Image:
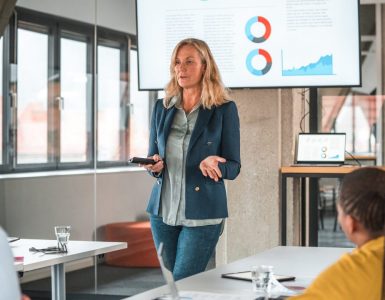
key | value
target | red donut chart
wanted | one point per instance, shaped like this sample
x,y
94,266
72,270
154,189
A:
x,y
251,22
268,60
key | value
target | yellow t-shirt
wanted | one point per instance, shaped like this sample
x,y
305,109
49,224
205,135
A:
x,y
356,275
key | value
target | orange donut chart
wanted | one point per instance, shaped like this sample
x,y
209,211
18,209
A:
x,y
258,39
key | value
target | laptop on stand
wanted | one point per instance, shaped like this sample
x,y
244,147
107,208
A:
x,y
320,149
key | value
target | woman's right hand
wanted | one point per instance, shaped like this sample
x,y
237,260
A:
x,y
157,167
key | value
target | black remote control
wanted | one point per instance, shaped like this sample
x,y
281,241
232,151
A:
x,y
142,161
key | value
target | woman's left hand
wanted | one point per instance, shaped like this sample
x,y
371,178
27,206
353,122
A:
x,y
209,167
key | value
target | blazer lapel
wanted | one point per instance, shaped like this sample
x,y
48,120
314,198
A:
x,y
163,132
202,120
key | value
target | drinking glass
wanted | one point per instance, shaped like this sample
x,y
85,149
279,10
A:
x,y
261,277
62,236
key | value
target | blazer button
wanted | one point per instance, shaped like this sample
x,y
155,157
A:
x,y
197,188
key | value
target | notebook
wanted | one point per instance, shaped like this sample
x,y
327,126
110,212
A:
x,y
321,149
246,276
174,294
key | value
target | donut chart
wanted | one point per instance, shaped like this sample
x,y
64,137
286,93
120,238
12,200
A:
x,y
250,66
251,22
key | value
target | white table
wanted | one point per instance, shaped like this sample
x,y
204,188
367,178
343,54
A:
x,y
305,263
76,250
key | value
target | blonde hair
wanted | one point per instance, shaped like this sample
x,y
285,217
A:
x,y
214,93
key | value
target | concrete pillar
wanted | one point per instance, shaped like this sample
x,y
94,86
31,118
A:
x,y
269,125
380,15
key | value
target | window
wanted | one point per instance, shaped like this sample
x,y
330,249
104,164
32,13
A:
x,y
74,83
113,98
139,113
59,117
32,101
354,114
110,103
356,110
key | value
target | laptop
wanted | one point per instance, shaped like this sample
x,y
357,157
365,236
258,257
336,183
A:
x,y
175,294
320,149
9,282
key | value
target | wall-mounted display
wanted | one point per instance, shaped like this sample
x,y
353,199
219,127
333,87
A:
x,y
264,43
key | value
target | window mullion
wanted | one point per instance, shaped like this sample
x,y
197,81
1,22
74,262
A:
x,y
11,94
126,107
91,100
53,127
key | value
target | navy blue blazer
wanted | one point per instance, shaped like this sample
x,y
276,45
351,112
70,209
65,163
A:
x,y
216,132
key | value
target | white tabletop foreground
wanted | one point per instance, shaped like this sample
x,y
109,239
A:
x,y
305,263
76,250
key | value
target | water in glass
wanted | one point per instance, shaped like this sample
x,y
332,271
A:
x,y
261,278
62,236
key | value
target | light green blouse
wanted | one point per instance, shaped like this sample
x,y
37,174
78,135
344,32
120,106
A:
x,y
174,180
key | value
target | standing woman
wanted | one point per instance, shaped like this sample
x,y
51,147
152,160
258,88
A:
x,y
195,142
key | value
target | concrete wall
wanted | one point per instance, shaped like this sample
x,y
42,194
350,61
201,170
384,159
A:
x,y
269,123
380,28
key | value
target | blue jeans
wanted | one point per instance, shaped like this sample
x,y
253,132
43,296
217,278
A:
x,y
186,250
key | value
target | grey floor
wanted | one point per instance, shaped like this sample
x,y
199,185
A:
x,y
331,235
111,283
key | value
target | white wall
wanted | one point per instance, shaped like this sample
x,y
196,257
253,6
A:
x,y
2,204
32,206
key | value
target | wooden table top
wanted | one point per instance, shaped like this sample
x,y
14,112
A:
x,y
319,169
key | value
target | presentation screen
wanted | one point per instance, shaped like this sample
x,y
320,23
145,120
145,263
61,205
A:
x,y
256,43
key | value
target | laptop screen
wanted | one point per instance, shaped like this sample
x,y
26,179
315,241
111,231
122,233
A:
x,y
321,148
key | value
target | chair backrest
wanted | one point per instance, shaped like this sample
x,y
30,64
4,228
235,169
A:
x,y
9,282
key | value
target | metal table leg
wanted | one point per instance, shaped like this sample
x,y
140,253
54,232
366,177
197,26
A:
x,y
283,209
58,282
303,212
313,212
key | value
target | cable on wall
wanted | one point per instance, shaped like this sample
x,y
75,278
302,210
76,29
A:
x,y
304,100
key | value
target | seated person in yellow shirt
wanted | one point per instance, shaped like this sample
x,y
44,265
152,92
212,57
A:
x,y
361,214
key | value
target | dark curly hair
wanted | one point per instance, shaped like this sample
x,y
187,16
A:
x,y
362,196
